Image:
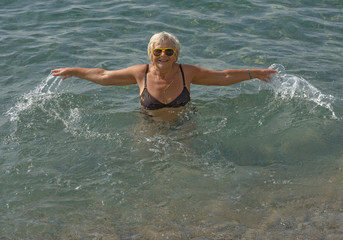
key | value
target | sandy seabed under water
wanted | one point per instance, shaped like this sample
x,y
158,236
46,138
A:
x,y
285,211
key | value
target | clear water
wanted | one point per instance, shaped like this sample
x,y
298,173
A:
x,y
248,161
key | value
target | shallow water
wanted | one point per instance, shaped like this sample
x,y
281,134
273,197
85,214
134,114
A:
x,y
248,161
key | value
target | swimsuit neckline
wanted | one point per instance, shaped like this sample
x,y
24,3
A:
x,y
149,102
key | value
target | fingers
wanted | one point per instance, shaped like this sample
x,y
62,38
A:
x,y
60,72
267,75
56,72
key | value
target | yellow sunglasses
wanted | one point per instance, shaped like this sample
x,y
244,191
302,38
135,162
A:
x,y
168,51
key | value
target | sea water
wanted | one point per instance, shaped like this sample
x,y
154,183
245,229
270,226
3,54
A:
x,y
247,161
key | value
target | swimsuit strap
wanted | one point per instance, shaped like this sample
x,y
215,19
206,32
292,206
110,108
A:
x,y
147,70
183,76
146,73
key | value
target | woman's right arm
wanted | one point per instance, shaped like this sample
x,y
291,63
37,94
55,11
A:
x,y
125,76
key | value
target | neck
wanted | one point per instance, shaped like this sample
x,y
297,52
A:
x,y
163,72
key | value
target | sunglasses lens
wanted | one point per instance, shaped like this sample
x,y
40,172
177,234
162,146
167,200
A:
x,y
169,52
157,52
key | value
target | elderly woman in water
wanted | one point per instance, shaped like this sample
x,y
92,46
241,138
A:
x,y
164,83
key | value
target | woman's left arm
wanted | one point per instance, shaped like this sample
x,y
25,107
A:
x,y
203,76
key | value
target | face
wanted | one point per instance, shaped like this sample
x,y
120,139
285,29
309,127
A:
x,y
164,60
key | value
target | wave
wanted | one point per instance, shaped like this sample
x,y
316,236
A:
x,y
47,105
44,91
287,87
48,98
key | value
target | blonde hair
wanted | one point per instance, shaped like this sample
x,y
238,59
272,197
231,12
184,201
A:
x,y
158,38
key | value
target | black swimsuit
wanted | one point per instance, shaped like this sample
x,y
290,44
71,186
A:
x,y
151,103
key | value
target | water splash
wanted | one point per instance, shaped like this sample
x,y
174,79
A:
x,y
44,91
57,107
287,86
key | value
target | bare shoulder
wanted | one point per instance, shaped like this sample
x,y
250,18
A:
x,y
190,71
138,71
138,68
193,69
125,76
194,73
135,69
190,68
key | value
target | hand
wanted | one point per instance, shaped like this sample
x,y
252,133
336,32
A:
x,y
265,74
65,72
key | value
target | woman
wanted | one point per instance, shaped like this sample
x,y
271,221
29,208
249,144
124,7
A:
x,y
164,83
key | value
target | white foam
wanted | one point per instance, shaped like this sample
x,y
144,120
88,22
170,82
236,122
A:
x,y
42,92
289,86
71,118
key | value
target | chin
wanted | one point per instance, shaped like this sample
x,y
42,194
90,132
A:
x,y
163,63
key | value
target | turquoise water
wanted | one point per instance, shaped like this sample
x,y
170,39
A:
x,y
248,161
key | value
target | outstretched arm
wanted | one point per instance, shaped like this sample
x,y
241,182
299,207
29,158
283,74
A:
x,y
204,76
100,76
